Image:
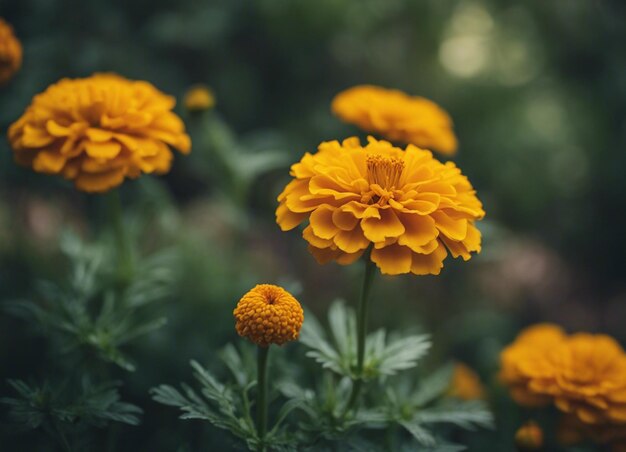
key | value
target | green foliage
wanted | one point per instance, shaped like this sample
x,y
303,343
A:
x,y
90,313
47,405
227,406
392,400
382,356
88,318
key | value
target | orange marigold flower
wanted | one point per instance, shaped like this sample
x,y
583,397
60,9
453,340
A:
x,y
199,98
10,52
267,315
529,437
583,374
397,116
99,130
409,206
466,384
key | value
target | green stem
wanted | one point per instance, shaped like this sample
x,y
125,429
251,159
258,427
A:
x,y
261,403
125,257
362,312
62,438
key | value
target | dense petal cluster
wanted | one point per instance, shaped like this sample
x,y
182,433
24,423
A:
x,y
466,384
10,52
584,375
397,117
199,98
99,130
409,207
267,315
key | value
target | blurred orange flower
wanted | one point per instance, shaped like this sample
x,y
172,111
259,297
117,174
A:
x,y
582,374
10,52
529,437
397,117
466,384
267,315
410,207
99,130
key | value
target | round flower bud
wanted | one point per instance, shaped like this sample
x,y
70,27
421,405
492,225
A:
x,y
199,98
529,437
267,315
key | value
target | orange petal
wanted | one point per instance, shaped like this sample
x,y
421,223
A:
x,y
99,182
418,231
429,264
377,230
321,221
393,259
104,150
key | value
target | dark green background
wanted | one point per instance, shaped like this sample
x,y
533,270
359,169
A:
x,y
537,90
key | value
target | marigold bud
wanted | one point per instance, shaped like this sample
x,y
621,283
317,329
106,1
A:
x,y
199,98
529,437
267,315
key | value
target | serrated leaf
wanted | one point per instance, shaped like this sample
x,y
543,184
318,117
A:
x,y
433,386
465,414
418,432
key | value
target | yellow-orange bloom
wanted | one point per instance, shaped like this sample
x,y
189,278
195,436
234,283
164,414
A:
x,y
199,98
409,206
466,384
10,52
267,315
397,117
529,437
99,130
582,374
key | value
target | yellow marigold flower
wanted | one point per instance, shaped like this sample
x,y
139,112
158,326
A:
x,y
583,374
199,98
267,315
397,116
466,384
408,205
529,437
99,130
10,52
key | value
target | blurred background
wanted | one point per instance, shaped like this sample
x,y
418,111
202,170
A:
x,y
537,91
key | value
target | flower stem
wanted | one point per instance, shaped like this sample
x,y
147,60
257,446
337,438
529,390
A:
x,y
125,257
362,312
261,403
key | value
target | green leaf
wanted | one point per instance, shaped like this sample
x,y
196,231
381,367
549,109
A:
x,y
418,432
465,414
433,386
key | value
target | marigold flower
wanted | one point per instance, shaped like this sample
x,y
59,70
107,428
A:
x,y
583,374
529,437
10,52
466,384
409,206
397,117
267,315
99,130
199,98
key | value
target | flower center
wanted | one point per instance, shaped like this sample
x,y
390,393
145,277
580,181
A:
x,y
384,171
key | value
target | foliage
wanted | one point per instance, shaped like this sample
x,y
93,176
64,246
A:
x,y
392,400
